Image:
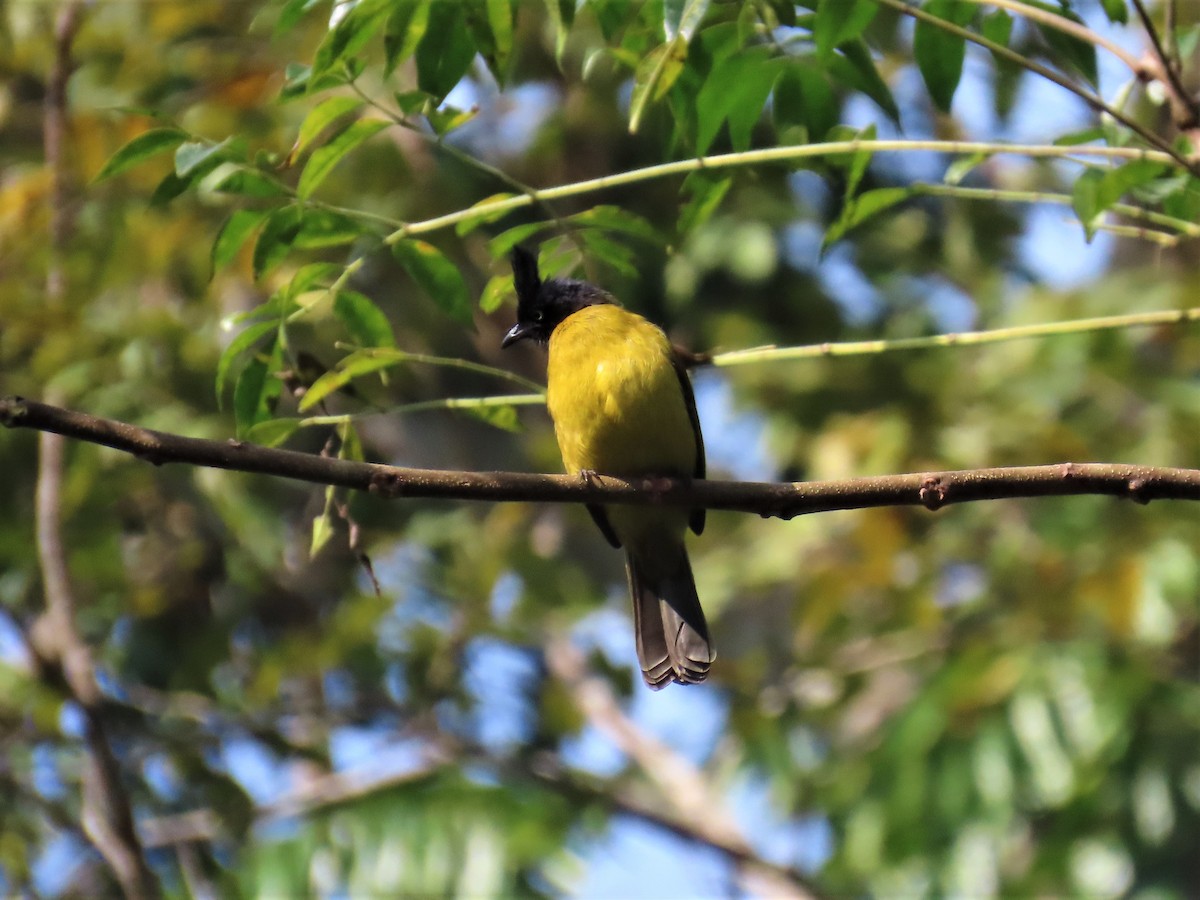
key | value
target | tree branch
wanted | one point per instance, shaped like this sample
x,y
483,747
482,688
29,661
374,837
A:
x,y
1095,102
203,826
701,814
106,814
1163,67
784,500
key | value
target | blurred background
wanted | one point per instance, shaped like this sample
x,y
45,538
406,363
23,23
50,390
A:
x,y
999,698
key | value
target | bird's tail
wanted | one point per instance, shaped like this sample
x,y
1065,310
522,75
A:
x,y
672,636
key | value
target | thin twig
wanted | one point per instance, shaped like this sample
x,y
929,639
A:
x,y
773,353
784,154
1184,110
1076,30
955,339
1170,64
932,490
1095,102
681,785
1182,226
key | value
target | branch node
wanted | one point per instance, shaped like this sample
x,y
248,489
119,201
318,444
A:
x,y
235,444
1139,490
657,486
12,410
932,493
386,484
1068,470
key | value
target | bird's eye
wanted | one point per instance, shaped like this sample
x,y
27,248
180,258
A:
x,y
539,316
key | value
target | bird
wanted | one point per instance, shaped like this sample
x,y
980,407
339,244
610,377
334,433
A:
x,y
622,405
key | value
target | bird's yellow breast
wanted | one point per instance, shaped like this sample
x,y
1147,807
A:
x,y
615,396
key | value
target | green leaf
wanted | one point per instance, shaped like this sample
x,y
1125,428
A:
x,y
291,14
410,102
296,80
681,18
502,417
314,276
320,228
437,276
1131,176
196,156
322,526
1075,138
503,243
863,207
446,50
246,338
705,191
323,159
655,75
364,320
318,120
498,289
940,54
304,228
275,239
558,256
617,256
614,218
500,21
1184,202
141,148
1078,54
446,118
242,180
272,432
466,226
351,447
257,390
562,14
804,98
350,35
855,163
1090,199
963,166
169,188
234,234
839,21
997,27
736,91
405,28
855,68
353,366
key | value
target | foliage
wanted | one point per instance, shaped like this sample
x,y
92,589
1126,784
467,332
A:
x,y
308,207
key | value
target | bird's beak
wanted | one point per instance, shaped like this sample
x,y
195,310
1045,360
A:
x,y
517,333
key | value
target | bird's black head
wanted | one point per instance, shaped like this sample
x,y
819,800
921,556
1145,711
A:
x,y
542,305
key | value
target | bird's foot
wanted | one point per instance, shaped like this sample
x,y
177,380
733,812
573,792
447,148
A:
x,y
590,477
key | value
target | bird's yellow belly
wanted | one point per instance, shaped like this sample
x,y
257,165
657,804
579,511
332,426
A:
x,y
615,397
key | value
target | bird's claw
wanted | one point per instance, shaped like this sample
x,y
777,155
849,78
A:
x,y
590,477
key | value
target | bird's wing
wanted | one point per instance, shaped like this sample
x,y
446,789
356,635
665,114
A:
x,y
600,517
696,519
